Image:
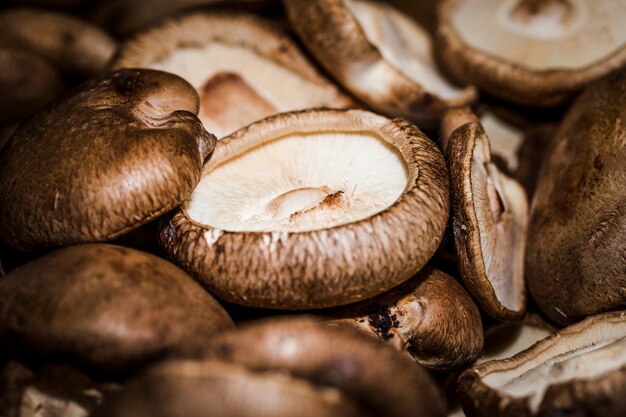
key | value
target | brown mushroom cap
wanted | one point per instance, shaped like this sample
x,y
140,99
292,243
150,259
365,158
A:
x,y
285,367
76,47
243,67
532,52
581,370
576,257
27,82
105,306
430,316
379,54
299,193
113,154
490,216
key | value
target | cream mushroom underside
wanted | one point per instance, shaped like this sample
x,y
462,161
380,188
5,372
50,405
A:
x,y
500,206
300,182
546,34
36,403
597,351
404,45
255,86
506,140
510,340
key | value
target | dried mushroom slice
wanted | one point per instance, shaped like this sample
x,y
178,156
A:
x,y
242,66
581,370
576,257
115,153
430,316
75,47
329,207
107,307
284,367
490,217
532,52
379,54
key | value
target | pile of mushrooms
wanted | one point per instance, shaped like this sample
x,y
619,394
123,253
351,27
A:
x,y
312,208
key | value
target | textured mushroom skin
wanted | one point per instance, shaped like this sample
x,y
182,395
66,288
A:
x,y
430,316
320,268
576,256
510,81
113,154
105,306
597,397
340,45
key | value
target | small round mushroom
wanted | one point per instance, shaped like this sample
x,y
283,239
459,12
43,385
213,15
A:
x,y
113,154
576,256
77,48
329,207
581,370
104,306
430,316
27,82
532,52
242,66
490,217
379,54
284,367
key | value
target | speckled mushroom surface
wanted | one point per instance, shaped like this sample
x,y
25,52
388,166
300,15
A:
x,y
284,367
581,369
329,206
532,52
243,67
103,306
112,154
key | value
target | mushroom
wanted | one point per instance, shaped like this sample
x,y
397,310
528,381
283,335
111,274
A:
x,y
329,207
103,306
532,52
113,154
576,256
242,66
77,48
51,390
284,367
581,370
430,316
379,54
27,82
490,216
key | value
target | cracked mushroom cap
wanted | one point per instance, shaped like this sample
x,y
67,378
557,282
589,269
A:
x,y
242,66
328,207
490,217
581,370
104,306
532,52
430,316
111,155
379,54
284,367
27,81
576,257
75,47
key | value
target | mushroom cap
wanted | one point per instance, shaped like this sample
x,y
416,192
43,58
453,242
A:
x,y
430,316
287,366
379,54
532,52
581,370
243,67
490,217
72,45
104,306
576,256
27,82
111,155
318,224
